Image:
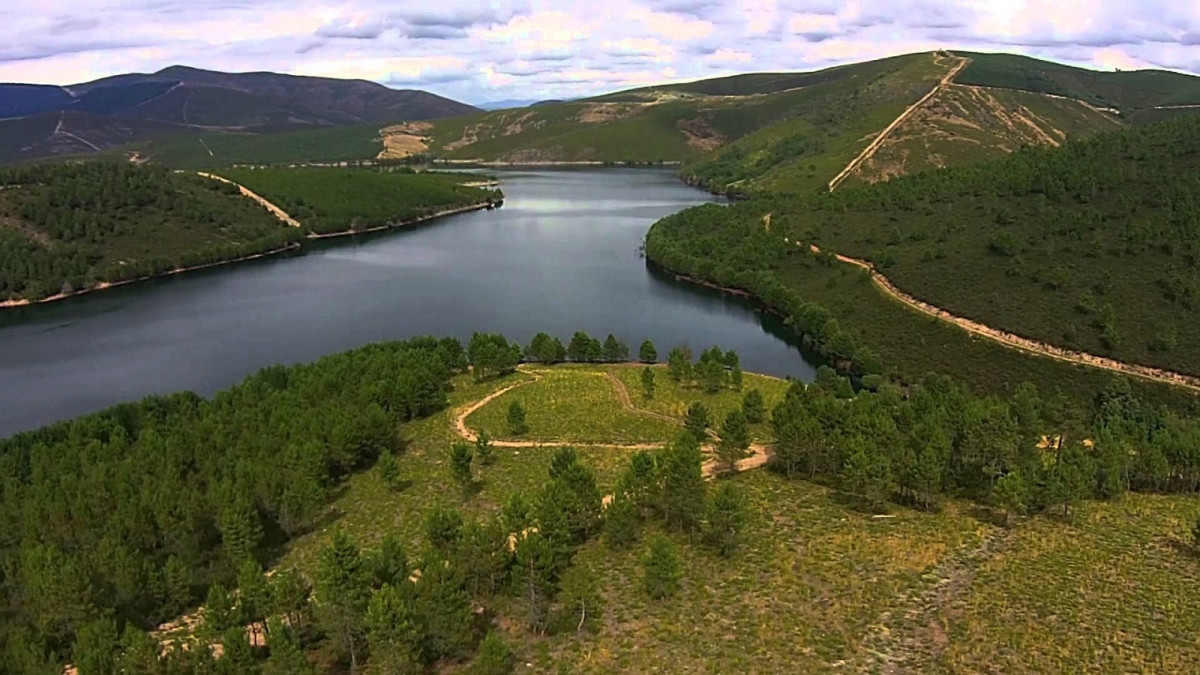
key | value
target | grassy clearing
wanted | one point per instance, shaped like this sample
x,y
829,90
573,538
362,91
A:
x,y
360,141
673,398
1116,590
572,403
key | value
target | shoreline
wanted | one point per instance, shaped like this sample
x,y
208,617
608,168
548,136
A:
x,y
406,223
104,285
294,246
551,163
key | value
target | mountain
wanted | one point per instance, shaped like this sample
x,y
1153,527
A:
x,y
856,123
136,106
506,103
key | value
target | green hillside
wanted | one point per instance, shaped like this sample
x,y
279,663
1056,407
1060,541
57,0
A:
x,y
1127,91
1093,246
68,228
329,200
207,150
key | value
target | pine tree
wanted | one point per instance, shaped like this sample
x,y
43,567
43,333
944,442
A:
x,y
868,474
647,353
661,569
494,657
679,364
681,499
484,450
735,440
614,350
443,529
753,406
726,518
460,465
254,596
1011,494
696,421
395,630
389,470
96,645
648,383
516,419
579,594
621,522
342,592
536,565
287,658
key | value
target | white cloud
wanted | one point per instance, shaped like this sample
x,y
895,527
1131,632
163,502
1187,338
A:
x,y
486,49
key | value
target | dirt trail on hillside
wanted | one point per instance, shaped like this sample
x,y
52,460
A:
x,y
908,637
874,145
759,454
278,212
1020,343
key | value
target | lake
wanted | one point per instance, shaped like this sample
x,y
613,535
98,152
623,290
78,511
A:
x,y
560,256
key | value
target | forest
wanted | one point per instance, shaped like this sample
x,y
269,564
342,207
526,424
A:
x,y
65,228
128,517
122,520
332,200
1052,244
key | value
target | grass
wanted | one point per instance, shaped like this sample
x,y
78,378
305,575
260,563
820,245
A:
x,y
572,403
673,398
1116,590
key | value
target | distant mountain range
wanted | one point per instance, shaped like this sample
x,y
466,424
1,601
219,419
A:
x,y
40,120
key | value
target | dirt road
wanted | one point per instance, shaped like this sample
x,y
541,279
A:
x,y
870,149
1021,343
279,213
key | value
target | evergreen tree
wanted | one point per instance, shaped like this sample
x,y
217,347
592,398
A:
x,y
868,474
648,383
138,653
241,530
681,499
254,597
484,450
579,347
1011,494
679,364
443,529
711,374
395,629
536,569
389,470
579,595
621,522
237,654
460,465
696,421
614,350
96,647
735,440
287,658
342,592
494,657
484,558
753,406
388,564
220,611
647,353
726,518
290,596
661,570
516,419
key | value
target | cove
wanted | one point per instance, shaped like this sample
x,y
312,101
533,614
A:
x,y
561,255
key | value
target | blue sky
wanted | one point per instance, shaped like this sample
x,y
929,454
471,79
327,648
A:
x,y
535,49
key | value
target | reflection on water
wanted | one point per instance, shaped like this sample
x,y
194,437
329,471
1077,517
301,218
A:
x,y
560,256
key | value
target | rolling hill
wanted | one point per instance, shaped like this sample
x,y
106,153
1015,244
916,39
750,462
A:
x,y
181,101
787,132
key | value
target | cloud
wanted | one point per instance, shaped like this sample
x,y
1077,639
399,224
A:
x,y
349,28
477,50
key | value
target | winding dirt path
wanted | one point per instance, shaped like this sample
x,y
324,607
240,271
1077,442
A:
x,y
758,457
869,151
1021,343
278,212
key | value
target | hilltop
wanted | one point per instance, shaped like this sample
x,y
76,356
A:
x,y
789,132
114,111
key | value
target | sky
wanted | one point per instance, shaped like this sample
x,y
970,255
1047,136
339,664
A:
x,y
479,50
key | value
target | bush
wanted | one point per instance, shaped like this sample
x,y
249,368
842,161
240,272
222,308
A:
x,y
660,569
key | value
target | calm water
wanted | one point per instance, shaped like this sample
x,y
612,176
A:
x,y
560,256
